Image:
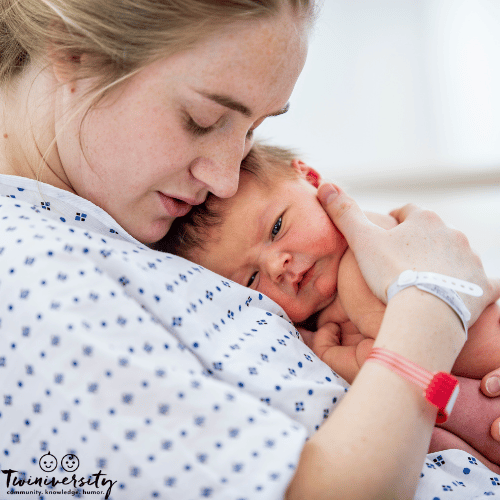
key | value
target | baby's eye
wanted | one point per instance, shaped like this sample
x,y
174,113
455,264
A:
x,y
276,228
251,280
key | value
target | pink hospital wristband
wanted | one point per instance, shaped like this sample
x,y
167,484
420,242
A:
x,y
440,389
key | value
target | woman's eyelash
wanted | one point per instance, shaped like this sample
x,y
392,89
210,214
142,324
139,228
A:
x,y
196,129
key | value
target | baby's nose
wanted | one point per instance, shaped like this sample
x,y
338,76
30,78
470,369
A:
x,y
279,266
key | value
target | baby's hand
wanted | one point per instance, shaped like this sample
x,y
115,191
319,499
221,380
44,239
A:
x,y
345,360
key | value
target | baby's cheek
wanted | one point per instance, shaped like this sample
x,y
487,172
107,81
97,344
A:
x,y
325,285
297,310
331,235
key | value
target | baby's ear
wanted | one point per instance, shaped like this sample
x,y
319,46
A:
x,y
307,172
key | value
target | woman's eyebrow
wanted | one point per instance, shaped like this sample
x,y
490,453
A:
x,y
230,103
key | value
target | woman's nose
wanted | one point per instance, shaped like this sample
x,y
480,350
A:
x,y
219,169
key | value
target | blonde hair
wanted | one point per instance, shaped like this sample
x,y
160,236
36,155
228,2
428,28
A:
x,y
121,36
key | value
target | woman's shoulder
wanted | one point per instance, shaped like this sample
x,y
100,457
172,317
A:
x,y
19,194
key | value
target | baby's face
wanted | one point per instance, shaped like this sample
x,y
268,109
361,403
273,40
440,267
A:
x,y
277,239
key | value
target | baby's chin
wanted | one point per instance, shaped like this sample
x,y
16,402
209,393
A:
x,y
309,323
303,317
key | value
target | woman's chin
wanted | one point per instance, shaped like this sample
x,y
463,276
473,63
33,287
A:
x,y
154,233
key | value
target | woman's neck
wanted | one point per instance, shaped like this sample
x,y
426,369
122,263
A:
x,y
28,147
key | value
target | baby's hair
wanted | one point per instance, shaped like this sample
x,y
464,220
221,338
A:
x,y
268,164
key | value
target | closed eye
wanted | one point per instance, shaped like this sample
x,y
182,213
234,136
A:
x,y
196,129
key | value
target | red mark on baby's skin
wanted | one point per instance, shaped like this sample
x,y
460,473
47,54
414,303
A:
x,y
5,136
73,90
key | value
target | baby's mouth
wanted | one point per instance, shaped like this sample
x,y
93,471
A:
x,y
306,277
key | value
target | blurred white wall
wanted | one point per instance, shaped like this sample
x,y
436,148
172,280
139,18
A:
x,y
400,101
399,87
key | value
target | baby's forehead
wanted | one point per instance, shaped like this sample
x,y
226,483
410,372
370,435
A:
x,y
253,193
252,188
242,222
255,190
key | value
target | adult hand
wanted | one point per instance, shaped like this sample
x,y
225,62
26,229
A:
x,y
490,385
421,241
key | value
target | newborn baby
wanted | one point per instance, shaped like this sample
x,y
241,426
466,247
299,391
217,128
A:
x,y
274,236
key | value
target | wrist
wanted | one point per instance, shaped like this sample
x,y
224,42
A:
x,y
442,286
440,389
423,328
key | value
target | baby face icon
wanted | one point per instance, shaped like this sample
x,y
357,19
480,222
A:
x,y
47,462
70,462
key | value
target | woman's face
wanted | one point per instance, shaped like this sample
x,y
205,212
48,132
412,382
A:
x,y
180,127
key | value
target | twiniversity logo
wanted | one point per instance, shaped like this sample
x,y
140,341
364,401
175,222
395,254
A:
x,y
48,463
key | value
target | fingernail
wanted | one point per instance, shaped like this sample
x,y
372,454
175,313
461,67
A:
x,y
493,385
328,194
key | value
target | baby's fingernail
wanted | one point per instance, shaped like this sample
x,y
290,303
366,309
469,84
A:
x,y
328,194
493,385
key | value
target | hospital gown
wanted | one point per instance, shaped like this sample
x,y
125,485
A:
x,y
130,374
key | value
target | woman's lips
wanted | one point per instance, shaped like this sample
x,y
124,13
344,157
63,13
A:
x,y
174,206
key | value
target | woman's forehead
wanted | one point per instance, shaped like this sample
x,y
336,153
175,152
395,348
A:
x,y
259,61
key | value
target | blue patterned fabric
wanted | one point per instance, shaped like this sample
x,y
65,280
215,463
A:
x,y
136,374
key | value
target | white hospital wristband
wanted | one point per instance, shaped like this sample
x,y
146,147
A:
x,y
442,287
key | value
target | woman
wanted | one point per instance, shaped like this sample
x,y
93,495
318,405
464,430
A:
x,y
138,375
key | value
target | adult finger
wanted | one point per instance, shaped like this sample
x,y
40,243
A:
x,y
345,213
495,429
490,385
400,214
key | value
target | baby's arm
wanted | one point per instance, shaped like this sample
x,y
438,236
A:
x,y
360,305
468,427
347,328
481,352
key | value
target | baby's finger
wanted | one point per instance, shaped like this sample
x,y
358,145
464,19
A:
x,y
345,213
